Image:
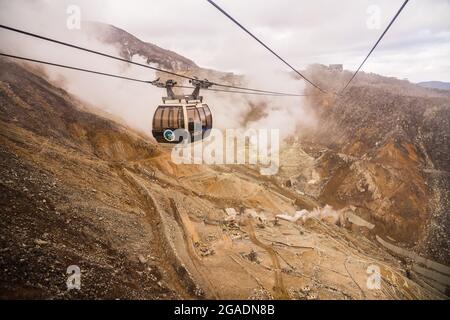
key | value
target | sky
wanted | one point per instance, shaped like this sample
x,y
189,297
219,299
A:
x,y
417,46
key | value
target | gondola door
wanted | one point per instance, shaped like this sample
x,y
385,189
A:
x,y
194,124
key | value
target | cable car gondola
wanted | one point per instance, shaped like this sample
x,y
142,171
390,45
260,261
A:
x,y
182,117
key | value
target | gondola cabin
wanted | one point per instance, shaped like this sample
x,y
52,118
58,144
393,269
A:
x,y
181,117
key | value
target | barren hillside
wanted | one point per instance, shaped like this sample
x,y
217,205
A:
x,y
79,189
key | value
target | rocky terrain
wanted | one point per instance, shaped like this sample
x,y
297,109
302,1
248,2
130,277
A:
x,y
130,46
80,189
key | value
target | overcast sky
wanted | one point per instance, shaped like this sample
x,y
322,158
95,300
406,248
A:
x,y
417,47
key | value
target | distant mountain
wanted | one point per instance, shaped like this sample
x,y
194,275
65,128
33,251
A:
x,y
435,85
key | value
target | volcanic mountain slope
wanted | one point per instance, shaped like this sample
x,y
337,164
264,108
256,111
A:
x,y
384,147
78,188
51,213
